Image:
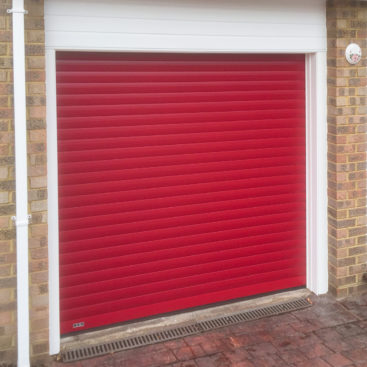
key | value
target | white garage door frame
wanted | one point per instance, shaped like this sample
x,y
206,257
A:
x,y
316,139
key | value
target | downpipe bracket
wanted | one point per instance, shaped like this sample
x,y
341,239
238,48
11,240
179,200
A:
x,y
22,223
17,11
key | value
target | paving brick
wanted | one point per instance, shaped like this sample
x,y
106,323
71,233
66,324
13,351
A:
x,y
163,357
138,359
106,361
358,341
325,315
59,364
174,344
241,340
333,340
209,345
356,355
215,360
245,364
305,326
284,343
316,350
184,353
357,305
269,361
337,360
237,355
184,364
259,350
316,362
292,356
350,329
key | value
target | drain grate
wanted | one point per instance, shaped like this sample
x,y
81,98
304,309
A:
x,y
182,331
254,314
129,343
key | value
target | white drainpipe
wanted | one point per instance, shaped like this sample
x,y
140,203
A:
x,y
22,219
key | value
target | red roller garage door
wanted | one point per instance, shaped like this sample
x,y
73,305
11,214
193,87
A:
x,y
181,181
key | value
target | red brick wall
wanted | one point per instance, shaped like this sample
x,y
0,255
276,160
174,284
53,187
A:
x,y
347,143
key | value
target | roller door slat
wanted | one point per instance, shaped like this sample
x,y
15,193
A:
x,y
199,244
168,218
145,98
233,180
143,130
155,214
169,108
163,76
67,216
176,294
119,274
178,65
274,148
174,170
205,275
203,223
182,118
177,159
189,301
222,260
69,282
254,245
135,243
149,195
174,87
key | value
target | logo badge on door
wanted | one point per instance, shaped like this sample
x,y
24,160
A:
x,y
78,324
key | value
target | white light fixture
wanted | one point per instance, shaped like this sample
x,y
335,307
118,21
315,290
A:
x,y
353,53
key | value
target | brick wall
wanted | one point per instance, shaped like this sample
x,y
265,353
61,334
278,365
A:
x,y
36,125
7,197
347,126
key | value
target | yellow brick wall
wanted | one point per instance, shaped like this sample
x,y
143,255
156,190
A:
x,y
37,184
7,197
37,171
347,143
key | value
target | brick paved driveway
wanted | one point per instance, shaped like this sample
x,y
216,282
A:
x,y
328,334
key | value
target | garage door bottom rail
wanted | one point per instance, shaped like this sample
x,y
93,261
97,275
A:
x,y
85,352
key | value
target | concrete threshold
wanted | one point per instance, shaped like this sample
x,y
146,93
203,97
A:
x,y
142,327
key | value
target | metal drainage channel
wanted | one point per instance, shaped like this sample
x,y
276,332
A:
x,y
182,331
